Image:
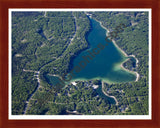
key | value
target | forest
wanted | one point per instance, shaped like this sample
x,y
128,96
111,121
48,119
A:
x,y
45,43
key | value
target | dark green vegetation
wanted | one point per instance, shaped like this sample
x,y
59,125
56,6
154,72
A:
x,y
130,64
48,42
43,42
79,99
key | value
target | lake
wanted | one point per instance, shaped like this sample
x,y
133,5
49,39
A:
x,y
104,66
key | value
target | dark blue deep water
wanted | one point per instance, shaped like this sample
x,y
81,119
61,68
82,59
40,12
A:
x,y
105,65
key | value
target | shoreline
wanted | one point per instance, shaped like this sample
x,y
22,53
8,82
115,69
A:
x,y
114,42
137,78
109,95
136,60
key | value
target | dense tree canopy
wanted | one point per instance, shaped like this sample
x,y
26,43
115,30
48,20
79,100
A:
x,y
45,43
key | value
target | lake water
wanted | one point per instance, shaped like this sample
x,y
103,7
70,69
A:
x,y
105,65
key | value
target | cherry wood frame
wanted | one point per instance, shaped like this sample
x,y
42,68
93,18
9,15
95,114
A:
x,y
6,4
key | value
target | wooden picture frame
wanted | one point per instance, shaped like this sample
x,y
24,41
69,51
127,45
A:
x,y
4,32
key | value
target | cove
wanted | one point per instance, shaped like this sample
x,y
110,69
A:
x,y
106,65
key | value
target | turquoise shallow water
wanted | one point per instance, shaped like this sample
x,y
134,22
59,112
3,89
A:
x,y
105,65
